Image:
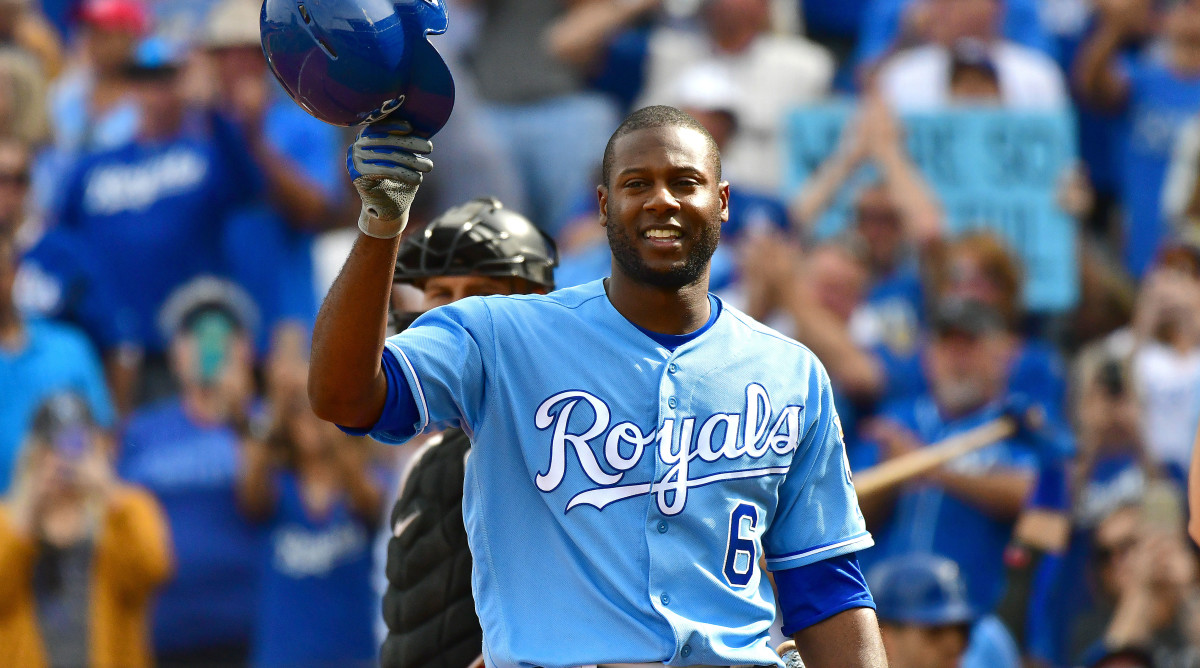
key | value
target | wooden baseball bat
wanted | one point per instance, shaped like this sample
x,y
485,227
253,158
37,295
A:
x,y
883,476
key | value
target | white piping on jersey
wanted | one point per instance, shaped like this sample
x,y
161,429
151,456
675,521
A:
x,y
757,437
417,382
817,550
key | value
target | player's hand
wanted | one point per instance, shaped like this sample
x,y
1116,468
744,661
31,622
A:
x,y
387,163
787,652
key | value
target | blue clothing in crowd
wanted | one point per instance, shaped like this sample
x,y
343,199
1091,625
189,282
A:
x,y
60,279
153,212
1160,102
895,303
1035,372
1068,591
991,646
928,519
54,358
315,557
882,20
78,127
267,255
192,469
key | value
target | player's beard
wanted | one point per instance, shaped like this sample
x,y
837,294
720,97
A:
x,y
624,251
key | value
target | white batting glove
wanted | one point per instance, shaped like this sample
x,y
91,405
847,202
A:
x,y
787,652
791,659
387,163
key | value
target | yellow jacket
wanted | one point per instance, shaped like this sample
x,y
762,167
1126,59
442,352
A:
x,y
131,560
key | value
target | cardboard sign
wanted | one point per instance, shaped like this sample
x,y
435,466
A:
x,y
993,169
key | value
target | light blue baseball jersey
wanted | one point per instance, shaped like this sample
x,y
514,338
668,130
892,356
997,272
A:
x,y
619,495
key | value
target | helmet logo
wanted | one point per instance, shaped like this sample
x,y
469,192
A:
x,y
385,110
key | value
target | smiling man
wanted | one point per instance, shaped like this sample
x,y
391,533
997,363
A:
x,y
640,447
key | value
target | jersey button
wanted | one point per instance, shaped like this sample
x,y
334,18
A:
x,y
686,651
662,526
671,368
671,402
666,600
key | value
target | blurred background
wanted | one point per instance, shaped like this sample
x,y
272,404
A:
x,y
959,205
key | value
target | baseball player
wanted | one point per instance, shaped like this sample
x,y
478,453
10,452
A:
x,y
640,447
479,248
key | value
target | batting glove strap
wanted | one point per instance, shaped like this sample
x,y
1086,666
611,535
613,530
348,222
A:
x,y
385,206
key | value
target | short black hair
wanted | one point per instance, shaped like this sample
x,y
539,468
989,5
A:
x,y
658,116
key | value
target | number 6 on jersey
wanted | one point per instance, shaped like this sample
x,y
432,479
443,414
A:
x,y
741,552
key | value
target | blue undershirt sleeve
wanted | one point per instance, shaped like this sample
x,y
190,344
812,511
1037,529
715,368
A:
x,y
399,410
813,593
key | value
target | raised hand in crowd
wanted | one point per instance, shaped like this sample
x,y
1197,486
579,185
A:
x,y
1130,18
24,27
893,440
1168,308
231,77
768,264
1076,196
874,136
581,34
818,291
1157,581
326,464
1096,74
69,515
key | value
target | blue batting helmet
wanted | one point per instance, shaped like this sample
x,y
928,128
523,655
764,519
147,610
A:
x,y
922,589
351,62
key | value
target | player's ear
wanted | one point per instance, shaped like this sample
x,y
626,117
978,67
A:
x,y
723,193
602,200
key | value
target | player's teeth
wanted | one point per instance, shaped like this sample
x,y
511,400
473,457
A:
x,y
662,234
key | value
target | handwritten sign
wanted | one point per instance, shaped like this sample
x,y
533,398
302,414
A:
x,y
991,169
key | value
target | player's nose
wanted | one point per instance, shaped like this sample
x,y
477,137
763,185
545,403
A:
x,y
661,202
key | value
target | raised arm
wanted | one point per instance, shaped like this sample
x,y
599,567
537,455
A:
x,y
255,491
1096,76
918,206
998,493
580,36
345,382
815,198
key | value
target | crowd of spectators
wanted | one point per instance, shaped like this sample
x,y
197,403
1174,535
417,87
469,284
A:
x,y
169,222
